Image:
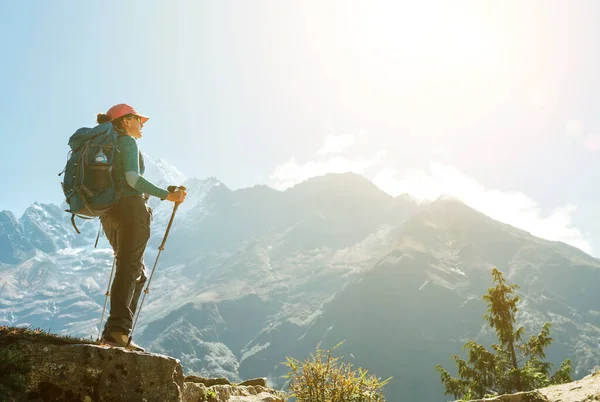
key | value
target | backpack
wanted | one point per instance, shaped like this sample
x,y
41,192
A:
x,y
88,184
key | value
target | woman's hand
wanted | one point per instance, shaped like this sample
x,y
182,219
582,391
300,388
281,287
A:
x,y
177,196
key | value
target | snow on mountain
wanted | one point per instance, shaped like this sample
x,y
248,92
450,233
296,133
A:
x,y
44,226
263,274
197,190
53,277
161,173
62,291
13,246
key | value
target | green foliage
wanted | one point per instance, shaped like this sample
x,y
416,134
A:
x,y
512,365
211,394
325,379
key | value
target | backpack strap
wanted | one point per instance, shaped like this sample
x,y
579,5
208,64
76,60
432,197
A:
x,y
73,220
73,223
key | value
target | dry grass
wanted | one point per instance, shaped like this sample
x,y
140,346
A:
x,y
325,379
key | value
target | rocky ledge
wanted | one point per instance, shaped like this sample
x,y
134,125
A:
x,y
41,367
585,390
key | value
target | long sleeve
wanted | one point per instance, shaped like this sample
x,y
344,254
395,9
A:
x,y
130,151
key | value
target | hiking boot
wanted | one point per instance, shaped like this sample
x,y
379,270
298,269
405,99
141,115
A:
x,y
119,339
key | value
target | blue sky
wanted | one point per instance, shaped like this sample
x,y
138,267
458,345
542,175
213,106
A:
x,y
493,102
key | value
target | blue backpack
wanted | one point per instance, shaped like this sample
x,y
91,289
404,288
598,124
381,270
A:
x,y
88,183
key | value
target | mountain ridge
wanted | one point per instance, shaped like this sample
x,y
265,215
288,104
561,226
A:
x,y
256,274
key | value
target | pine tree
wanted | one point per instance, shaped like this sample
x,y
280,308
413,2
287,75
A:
x,y
512,365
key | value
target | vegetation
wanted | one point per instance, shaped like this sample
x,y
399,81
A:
x,y
325,379
513,365
211,394
9,335
14,365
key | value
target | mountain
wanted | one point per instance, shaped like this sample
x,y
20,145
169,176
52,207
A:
x,y
251,276
13,246
45,227
422,301
162,173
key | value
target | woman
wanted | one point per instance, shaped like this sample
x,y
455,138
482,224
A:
x,y
127,226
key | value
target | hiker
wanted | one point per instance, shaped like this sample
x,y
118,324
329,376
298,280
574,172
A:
x,y
127,225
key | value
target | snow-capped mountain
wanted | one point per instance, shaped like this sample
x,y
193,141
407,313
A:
x,y
251,276
42,257
44,226
161,173
13,245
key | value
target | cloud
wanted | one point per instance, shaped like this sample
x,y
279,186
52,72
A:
x,y
291,172
337,143
513,208
510,207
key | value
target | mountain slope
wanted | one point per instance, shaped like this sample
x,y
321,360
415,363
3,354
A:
x,y
13,246
420,303
251,276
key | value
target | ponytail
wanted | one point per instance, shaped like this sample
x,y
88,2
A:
x,y
102,118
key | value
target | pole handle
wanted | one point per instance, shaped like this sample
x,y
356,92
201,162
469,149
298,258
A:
x,y
171,189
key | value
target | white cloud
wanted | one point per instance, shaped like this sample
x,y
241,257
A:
x,y
291,172
512,208
337,143
415,182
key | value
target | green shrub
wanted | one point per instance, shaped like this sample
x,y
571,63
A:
x,y
325,379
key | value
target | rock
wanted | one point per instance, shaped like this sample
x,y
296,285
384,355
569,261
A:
x,y
44,367
262,397
585,390
193,392
198,392
531,396
90,372
255,381
207,381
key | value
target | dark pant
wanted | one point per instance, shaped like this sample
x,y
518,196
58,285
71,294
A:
x,y
127,228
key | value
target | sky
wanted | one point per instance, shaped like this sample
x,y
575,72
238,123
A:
x,y
493,102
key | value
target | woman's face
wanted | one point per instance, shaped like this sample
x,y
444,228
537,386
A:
x,y
133,126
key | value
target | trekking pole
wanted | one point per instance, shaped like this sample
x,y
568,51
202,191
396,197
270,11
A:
x,y
107,294
160,249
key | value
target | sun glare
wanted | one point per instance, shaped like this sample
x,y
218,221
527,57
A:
x,y
447,42
453,59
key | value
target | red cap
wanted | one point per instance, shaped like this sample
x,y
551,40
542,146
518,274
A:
x,y
123,109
